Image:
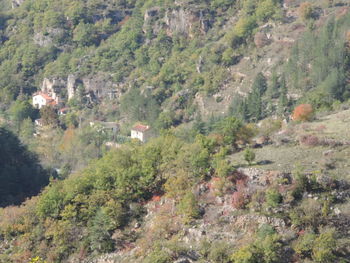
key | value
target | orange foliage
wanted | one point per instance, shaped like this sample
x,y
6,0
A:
x,y
303,112
156,198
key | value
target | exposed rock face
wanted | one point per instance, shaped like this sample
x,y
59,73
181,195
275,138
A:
x,y
53,87
47,39
16,3
184,21
100,86
95,87
71,86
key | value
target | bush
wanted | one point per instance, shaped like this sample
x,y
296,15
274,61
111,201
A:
x,y
306,11
261,40
219,253
158,255
246,254
273,198
265,250
188,207
249,155
265,230
303,112
309,140
240,197
324,245
304,244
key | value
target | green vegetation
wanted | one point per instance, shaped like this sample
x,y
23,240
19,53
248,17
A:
x,y
176,66
249,155
21,175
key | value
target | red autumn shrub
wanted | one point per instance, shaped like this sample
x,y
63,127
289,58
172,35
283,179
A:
x,y
303,112
240,197
238,200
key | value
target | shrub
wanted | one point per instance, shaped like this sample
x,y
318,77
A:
x,y
249,155
265,230
306,11
304,244
219,252
245,254
323,247
244,26
158,255
303,112
273,197
309,140
37,260
266,9
240,197
265,250
261,40
188,207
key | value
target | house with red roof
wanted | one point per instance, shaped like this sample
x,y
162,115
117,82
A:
x,y
41,99
141,132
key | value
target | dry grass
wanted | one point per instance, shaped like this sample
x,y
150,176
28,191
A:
x,y
290,157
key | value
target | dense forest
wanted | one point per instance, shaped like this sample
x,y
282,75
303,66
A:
x,y
248,103
21,175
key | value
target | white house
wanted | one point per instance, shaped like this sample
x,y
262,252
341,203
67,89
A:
x,y
41,99
141,132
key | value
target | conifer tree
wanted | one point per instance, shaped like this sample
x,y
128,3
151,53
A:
x,y
273,89
260,84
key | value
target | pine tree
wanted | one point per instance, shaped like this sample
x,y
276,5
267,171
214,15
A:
x,y
260,84
273,89
283,98
254,105
199,125
99,233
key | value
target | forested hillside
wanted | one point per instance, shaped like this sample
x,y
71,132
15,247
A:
x,y
247,103
21,175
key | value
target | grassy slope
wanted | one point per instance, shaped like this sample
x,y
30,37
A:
x,y
289,157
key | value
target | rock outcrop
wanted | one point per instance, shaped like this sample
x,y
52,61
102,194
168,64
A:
x,y
184,21
94,87
16,3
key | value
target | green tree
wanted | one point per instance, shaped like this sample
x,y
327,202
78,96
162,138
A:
x,y
249,155
229,128
21,175
19,111
49,116
27,130
100,233
260,84
324,246
273,197
188,207
273,88
84,34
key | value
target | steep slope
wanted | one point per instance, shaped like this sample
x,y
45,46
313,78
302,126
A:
x,y
21,175
171,201
188,56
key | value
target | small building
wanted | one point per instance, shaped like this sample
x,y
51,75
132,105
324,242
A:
x,y
63,111
41,99
141,132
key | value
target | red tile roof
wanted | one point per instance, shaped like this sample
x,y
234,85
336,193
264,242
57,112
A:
x,y
140,128
49,100
64,109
